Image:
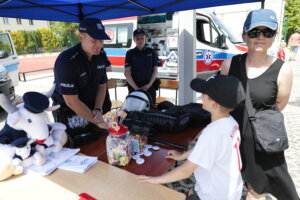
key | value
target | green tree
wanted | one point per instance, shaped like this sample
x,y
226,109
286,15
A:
x,y
26,45
49,39
66,31
292,14
33,40
19,41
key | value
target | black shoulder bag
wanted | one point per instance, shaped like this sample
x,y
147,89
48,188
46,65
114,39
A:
x,y
268,128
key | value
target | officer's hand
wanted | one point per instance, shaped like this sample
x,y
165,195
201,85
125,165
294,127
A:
x,y
136,88
145,87
103,125
97,117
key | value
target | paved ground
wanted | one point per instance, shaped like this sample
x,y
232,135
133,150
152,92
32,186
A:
x,y
292,120
43,82
37,62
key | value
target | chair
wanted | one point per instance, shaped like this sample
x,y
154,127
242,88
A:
x,y
167,83
112,84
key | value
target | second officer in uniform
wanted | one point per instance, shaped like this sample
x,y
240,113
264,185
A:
x,y
141,66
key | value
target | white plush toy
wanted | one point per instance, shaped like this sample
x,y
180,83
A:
x,y
7,169
30,120
52,144
25,153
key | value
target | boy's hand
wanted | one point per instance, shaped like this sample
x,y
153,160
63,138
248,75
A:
x,y
147,179
175,155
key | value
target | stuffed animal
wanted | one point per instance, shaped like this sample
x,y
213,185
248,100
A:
x,y
53,142
8,170
25,153
29,120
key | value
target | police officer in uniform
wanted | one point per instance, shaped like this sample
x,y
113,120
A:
x,y
141,66
80,78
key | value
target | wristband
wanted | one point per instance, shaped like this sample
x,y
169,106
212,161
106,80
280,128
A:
x,y
99,109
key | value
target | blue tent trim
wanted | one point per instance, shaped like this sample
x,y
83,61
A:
x,y
75,10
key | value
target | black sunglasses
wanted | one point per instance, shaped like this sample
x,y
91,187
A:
x,y
267,32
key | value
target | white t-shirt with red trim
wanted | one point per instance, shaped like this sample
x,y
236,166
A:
x,y
217,154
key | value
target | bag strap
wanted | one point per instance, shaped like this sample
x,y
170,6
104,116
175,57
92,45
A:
x,y
248,102
238,68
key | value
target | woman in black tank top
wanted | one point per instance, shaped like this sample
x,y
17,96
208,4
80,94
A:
x,y
270,83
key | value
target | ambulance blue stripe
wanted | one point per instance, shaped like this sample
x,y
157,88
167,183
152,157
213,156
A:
x,y
216,55
12,67
228,55
115,51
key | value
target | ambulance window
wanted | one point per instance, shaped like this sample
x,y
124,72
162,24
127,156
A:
x,y
5,44
120,34
207,32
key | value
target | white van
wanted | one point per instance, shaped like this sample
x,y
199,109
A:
x,y
214,43
8,66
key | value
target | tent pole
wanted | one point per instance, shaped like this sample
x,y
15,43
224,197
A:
x,y
262,3
4,1
186,55
141,5
80,15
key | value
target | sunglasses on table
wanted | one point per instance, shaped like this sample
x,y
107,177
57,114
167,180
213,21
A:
x,y
267,32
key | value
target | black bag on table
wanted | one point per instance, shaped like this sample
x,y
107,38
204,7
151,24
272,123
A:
x,y
79,131
160,121
198,116
268,128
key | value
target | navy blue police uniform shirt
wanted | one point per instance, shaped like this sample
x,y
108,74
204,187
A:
x,y
142,63
75,75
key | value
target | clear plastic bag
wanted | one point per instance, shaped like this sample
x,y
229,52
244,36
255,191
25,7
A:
x,y
118,146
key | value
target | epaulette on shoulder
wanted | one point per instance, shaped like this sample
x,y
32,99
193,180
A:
x,y
149,49
130,50
74,55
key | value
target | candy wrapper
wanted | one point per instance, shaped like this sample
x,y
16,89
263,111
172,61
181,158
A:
x,y
137,142
139,133
114,117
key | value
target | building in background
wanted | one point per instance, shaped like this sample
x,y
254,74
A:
x,y
17,24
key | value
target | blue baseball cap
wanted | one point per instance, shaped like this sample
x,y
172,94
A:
x,y
138,31
94,28
261,17
35,102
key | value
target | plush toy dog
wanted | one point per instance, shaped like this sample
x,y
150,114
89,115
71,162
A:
x,y
25,154
29,120
8,170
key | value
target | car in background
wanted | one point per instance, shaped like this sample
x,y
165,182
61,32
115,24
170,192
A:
x,y
8,66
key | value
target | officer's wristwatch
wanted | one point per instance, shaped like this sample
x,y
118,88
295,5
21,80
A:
x,y
99,109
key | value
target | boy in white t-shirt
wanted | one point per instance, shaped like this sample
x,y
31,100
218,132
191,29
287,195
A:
x,y
215,159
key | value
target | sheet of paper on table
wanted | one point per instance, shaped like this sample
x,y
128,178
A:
x,y
53,160
78,163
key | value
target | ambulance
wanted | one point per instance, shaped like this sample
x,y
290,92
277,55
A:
x,y
214,43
